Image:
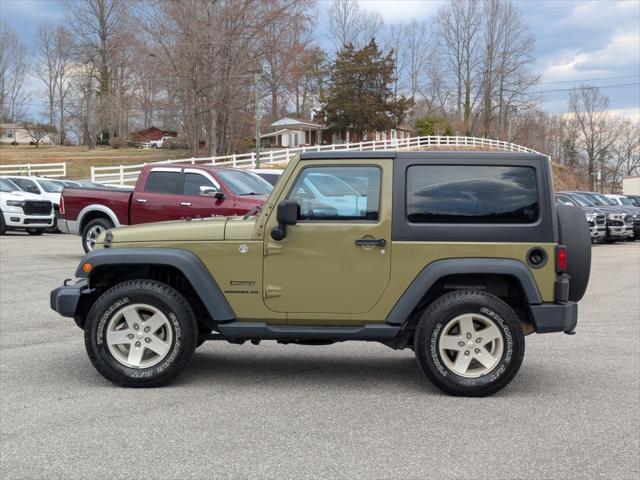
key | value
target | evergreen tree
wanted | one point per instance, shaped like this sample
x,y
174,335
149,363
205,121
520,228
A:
x,y
359,95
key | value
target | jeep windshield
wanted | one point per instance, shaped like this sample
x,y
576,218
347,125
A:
x,y
245,183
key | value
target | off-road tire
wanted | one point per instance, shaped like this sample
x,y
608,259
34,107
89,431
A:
x,y
102,222
35,231
164,298
451,305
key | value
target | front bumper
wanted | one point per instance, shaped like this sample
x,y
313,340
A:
x,y
597,232
65,299
21,220
554,317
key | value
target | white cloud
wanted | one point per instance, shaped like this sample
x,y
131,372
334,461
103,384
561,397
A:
x,y
402,10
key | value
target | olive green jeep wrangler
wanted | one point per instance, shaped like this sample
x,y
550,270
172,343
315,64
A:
x,y
455,255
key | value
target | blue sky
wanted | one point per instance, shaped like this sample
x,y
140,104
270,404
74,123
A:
x,y
576,41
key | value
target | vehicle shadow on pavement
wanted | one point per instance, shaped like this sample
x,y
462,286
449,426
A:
x,y
293,369
346,371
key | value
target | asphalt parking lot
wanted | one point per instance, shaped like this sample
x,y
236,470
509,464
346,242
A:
x,y
351,410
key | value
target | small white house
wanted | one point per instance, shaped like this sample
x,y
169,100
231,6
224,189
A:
x,y
15,132
291,133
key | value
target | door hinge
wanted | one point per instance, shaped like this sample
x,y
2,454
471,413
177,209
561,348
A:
x,y
272,291
272,249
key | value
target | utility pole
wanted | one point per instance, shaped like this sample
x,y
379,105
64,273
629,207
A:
x,y
256,87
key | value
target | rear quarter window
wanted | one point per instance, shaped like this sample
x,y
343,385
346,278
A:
x,y
471,194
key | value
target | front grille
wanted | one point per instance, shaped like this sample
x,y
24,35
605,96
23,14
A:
x,y
36,207
37,221
600,219
591,224
616,223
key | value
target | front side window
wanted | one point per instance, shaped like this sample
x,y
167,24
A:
x,y
26,185
193,182
471,194
162,182
338,193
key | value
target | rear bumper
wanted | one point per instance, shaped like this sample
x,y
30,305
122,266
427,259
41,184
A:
x,y
64,299
554,317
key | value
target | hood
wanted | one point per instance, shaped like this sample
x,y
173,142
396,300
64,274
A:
x,y
22,195
588,209
211,228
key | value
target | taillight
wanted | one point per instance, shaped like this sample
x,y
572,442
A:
x,y
61,205
561,259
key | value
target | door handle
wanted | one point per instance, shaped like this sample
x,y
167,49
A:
x,y
371,242
141,200
185,204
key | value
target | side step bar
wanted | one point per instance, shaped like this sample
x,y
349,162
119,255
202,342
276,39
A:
x,y
262,331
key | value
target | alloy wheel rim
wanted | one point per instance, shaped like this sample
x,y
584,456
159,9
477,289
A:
x,y
139,336
471,345
92,235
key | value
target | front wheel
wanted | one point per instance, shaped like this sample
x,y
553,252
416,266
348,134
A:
x,y
92,231
140,333
469,343
35,231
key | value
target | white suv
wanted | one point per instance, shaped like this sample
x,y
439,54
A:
x,y
22,210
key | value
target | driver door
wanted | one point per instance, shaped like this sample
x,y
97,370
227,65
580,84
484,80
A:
x,y
322,266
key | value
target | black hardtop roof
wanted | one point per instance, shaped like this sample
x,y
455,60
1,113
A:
x,y
427,154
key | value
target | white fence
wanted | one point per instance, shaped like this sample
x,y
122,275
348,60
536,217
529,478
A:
x,y
128,174
52,170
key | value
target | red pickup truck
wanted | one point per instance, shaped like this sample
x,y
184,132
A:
x,y
162,192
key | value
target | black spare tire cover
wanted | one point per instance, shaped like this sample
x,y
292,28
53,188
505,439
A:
x,y
574,233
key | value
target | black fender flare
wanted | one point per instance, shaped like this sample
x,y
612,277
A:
x,y
183,260
455,266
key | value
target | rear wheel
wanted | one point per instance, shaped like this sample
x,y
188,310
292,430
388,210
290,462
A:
x,y
469,343
140,333
92,231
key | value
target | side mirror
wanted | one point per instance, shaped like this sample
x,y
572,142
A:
x,y
211,192
287,214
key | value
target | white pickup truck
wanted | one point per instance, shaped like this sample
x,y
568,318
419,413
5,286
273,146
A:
x,y
159,143
23,210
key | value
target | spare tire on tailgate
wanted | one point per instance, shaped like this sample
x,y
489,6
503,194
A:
x,y
574,233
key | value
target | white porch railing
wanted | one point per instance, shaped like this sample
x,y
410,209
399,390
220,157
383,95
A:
x,y
128,174
52,170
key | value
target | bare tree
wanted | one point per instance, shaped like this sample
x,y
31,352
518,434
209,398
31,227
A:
x,y
345,23
104,39
37,132
14,67
284,43
416,54
590,108
371,26
459,25
54,63
624,155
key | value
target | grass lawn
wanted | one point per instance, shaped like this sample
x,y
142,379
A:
x,y
80,159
